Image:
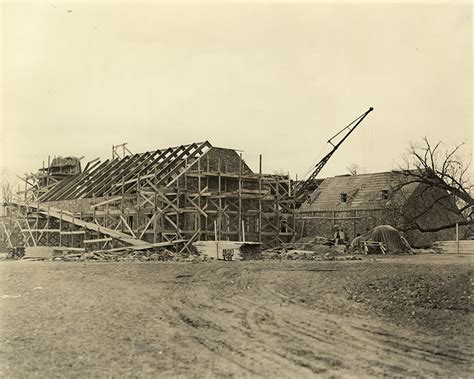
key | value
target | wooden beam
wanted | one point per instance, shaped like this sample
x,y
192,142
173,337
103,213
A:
x,y
97,240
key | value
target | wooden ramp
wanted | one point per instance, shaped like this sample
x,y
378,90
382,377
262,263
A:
x,y
58,214
451,247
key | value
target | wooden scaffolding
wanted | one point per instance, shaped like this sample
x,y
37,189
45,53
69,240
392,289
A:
x,y
173,196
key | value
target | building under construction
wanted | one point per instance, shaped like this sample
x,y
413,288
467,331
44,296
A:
x,y
172,196
167,197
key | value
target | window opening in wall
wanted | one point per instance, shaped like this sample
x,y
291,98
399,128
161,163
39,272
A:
x,y
343,197
385,194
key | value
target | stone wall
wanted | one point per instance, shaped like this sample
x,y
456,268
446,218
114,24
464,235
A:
x,y
229,161
353,222
356,222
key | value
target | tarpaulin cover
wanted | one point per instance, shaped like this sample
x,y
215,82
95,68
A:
x,y
393,241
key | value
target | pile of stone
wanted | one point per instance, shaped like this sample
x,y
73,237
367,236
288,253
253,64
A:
x,y
307,255
309,249
124,254
127,255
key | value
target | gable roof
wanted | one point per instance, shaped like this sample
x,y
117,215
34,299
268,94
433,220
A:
x,y
362,192
113,176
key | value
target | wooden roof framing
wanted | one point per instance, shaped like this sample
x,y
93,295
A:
x,y
115,176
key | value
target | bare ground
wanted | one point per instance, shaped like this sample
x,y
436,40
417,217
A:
x,y
397,317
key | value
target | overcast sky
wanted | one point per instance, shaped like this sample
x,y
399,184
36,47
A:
x,y
270,78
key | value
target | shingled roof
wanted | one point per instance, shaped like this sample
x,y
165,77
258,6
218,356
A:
x,y
367,191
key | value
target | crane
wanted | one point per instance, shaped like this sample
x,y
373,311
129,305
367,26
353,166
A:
x,y
301,190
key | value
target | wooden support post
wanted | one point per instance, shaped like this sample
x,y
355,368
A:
x,y
216,239
155,222
49,165
199,198
260,200
277,206
47,227
137,223
289,185
154,218
457,238
185,176
355,225
121,203
294,218
60,226
207,207
37,222
26,188
241,231
220,199
178,205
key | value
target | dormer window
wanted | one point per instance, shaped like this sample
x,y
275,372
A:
x,y
343,197
385,194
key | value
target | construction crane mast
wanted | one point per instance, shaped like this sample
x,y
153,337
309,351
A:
x,y
304,187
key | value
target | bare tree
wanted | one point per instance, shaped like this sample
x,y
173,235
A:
x,y
355,169
6,189
438,168
280,172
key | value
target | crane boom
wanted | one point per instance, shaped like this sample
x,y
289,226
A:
x,y
302,187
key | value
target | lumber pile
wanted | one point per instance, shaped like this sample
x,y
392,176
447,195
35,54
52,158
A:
x,y
157,253
453,247
128,255
228,250
309,249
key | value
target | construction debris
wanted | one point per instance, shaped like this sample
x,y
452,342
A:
x,y
381,239
130,255
322,254
16,252
454,247
229,250
309,248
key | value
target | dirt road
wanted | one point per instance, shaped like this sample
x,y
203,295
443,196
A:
x,y
407,316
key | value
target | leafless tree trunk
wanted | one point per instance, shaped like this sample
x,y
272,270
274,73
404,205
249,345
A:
x,y
443,169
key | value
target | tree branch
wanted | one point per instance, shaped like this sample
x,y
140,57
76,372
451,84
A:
x,y
443,227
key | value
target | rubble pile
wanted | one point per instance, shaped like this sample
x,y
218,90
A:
x,y
123,255
303,255
127,255
309,249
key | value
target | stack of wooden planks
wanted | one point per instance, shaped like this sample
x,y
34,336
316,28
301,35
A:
x,y
453,247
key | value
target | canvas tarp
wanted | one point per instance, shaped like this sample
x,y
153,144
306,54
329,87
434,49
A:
x,y
393,241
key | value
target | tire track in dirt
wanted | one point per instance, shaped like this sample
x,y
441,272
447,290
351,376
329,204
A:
x,y
240,319
209,328
257,341
266,326
261,320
